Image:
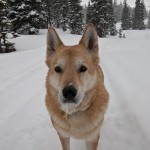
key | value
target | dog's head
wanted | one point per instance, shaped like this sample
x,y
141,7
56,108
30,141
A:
x,y
73,70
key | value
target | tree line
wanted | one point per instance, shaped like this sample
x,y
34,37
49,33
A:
x,y
28,16
134,19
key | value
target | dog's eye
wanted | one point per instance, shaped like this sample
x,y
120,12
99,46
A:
x,y
82,68
58,69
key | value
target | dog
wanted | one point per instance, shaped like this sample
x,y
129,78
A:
x,y
76,97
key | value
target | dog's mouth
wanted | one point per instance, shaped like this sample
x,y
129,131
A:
x,y
66,101
73,101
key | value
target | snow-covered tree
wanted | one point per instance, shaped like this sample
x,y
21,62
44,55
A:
x,y
138,19
5,45
142,16
126,20
59,13
48,11
75,17
89,13
40,6
27,16
64,14
100,16
111,20
148,23
118,8
120,33
145,12
84,12
55,12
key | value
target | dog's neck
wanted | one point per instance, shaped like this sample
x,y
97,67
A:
x,y
83,108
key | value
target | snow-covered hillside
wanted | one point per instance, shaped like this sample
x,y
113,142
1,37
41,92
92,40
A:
x,y
24,121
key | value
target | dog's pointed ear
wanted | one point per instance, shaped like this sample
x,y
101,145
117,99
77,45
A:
x,y
53,40
90,38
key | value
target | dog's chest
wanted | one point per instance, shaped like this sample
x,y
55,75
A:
x,y
78,125
82,126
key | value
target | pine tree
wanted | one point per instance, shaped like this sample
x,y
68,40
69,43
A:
x,y
59,13
64,15
41,8
27,16
100,13
84,12
115,6
89,13
56,12
41,15
148,23
145,12
5,45
75,17
48,11
112,21
124,36
120,33
138,19
126,20
142,16
118,8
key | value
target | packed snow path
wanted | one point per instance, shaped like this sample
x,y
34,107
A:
x,y
24,121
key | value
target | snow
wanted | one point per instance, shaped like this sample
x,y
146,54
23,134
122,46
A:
x,y
24,121
22,6
32,13
2,1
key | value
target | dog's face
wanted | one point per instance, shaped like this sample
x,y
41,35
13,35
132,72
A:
x,y
72,69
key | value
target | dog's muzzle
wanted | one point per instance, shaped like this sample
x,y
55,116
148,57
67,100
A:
x,y
69,93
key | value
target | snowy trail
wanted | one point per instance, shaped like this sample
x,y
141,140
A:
x,y
128,112
25,123
25,106
120,123
23,73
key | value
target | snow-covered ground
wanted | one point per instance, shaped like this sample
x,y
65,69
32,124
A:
x,y
24,121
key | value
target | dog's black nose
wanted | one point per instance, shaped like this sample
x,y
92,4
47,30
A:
x,y
69,93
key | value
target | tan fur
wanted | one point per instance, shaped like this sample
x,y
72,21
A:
x,y
84,119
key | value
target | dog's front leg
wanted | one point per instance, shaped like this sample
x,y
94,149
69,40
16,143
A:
x,y
65,142
92,145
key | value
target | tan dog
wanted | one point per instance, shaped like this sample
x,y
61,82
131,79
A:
x,y
76,96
